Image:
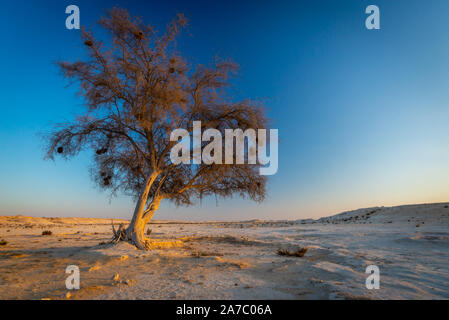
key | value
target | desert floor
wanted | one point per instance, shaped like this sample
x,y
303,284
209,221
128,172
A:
x,y
233,260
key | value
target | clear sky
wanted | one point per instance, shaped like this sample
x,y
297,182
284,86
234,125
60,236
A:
x,y
363,115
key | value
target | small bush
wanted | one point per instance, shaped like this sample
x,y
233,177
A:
x,y
298,253
148,232
3,242
46,233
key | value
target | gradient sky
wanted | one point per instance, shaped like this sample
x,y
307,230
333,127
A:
x,y
363,115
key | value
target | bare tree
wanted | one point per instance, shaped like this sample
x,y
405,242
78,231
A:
x,y
137,90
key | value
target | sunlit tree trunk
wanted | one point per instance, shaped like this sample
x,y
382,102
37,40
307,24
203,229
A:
x,y
135,232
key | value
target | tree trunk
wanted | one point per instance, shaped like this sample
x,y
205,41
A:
x,y
135,233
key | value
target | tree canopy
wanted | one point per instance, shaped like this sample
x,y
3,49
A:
x,y
137,89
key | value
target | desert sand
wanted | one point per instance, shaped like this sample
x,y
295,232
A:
x,y
233,260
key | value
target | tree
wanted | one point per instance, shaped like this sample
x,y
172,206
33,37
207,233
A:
x,y
137,90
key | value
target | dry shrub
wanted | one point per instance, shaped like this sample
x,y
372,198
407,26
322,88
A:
x,y
298,253
46,233
3,242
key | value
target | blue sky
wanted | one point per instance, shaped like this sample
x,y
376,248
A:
x,y
362,114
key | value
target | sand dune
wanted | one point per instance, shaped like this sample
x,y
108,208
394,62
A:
x,y
437,213
233,260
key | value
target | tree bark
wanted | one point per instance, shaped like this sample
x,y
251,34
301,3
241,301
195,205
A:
x,y
135,233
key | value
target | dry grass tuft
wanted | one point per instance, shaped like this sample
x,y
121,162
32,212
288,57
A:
x,y
241,264
198,254
298,253
46,233
94,268
3,242
18,255
154,244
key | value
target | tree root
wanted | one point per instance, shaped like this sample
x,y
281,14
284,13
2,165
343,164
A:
x,y
121,234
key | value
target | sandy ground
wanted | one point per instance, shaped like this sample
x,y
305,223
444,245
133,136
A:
x,y
233,260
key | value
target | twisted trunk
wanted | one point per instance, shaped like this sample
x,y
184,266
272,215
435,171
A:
x,y
135,233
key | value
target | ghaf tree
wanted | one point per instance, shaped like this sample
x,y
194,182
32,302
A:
x,y
137,89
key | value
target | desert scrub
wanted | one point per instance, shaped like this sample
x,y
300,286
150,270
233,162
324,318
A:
x,y
46,233
3,242
298,253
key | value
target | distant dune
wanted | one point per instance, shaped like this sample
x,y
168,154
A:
x,y
431,213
